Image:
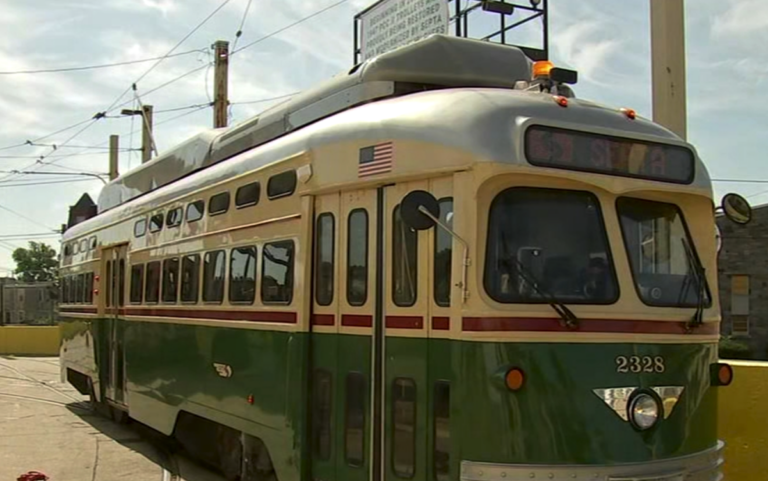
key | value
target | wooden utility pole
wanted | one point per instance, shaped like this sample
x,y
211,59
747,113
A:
x,y
114,145
147,142
2,302
220,83
668,64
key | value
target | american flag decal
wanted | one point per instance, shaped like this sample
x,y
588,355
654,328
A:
x,y
375,160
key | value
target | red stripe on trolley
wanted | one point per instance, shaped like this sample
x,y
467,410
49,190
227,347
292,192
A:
x,y
249,316
405,322
323,319
609,326
352,320
441,323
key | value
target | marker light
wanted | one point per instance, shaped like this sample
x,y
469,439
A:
x,y
514,379
643,411
721,374
542,68
96,278
631,114
561,101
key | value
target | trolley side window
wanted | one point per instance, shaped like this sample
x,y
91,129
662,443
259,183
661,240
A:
x,y
248,195
443,255
357,257
173,218
80,288
324,259
156,222
195,211
214,265
281,185
89,288
140,227
108,282
152,287
190,278
548,242
219,204
121,283
242,275
321,414
277,273
405,246
354,420
442,430
137,283
170,280
404,427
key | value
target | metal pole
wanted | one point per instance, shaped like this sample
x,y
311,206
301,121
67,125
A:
x,y
2,302
220,83
146,133
114,145
668,64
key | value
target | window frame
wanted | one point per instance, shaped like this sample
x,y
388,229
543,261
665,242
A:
x,y
196,279
220,301
159,282
220,195
395,211
604,234
250,203
689,238
159,215
320,218
179,218
366,257
437,233
163,284
140,269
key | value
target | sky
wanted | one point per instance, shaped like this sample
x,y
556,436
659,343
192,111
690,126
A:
x,y
606,41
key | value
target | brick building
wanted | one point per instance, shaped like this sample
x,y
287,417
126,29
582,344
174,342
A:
x,y
27,303
743,280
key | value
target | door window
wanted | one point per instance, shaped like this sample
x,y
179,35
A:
x,y
357,257
324,267
405,246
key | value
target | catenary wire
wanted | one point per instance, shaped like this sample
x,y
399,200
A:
x,y
100,66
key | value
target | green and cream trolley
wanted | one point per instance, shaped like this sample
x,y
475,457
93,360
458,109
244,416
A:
x,y
434,267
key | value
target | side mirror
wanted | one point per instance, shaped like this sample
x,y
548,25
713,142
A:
x,y
410,210
736,208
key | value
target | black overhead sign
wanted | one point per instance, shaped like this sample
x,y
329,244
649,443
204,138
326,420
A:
x,y
603,154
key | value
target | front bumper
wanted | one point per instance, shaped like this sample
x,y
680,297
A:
x,y
703,466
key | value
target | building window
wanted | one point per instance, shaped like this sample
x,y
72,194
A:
x,y
248,195
321,414
140,228
405,246
324,258
170,280
443,255
190,278
740,305
242,275
137,283
214,265
277,273
357,257
442,430
281,184
219,204
152,291
404,427
354,420
173,218
195,211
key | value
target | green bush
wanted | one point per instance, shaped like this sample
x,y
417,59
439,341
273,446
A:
x,y
732,349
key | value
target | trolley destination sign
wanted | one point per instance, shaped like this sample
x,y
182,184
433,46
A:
x,y
603,154
390,24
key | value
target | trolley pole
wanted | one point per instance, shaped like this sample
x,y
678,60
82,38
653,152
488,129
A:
x,y
114,145
147,143
668,64
220,83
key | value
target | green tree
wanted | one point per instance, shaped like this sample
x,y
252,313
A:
x,y
37,263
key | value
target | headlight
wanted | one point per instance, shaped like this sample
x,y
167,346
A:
x,y
643,411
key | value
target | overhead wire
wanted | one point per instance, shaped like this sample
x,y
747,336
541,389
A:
x,y
28,219
99,66
48,182
242,23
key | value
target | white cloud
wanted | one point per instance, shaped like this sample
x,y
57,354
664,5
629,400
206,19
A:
x,y
743,19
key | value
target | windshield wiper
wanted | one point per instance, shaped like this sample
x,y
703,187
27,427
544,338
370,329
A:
x,y
569,318
699,277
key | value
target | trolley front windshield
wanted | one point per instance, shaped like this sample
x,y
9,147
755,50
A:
x,y
558,238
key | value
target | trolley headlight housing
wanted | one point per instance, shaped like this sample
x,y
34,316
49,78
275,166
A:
x,y
644,410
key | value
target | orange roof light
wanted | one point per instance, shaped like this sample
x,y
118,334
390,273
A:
x,y
630,113
561,101
514,379
542,68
